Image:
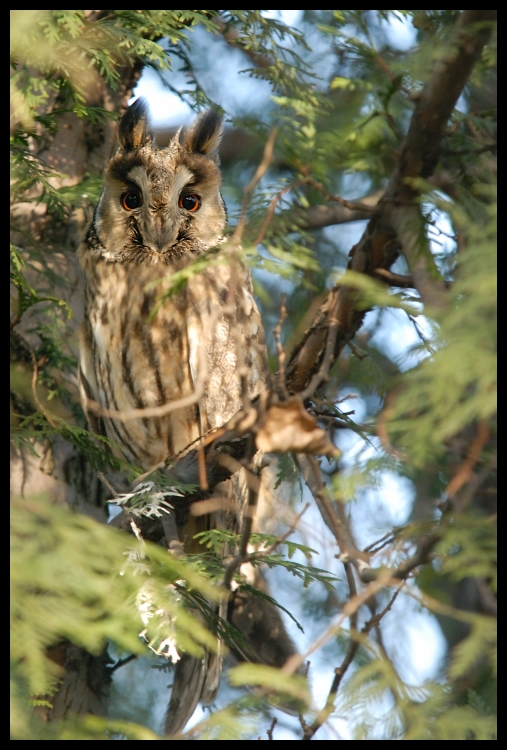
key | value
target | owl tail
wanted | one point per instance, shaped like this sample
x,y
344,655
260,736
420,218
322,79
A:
x,y
189,679
264,640
196,679
265,637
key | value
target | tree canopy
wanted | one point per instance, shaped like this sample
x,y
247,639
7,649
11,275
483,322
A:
x,y
359,163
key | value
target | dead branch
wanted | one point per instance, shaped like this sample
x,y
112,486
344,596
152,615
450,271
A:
x,y
280,351
352,205
272,727
300,219
333,515
271,210
348,610
259,173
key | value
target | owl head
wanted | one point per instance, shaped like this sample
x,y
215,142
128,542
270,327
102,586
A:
x,y
160,205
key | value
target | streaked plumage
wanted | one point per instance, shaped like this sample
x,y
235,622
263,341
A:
x,y
130,360
159,211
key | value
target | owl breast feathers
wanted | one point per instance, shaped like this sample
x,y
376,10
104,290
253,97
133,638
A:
x,y
161,209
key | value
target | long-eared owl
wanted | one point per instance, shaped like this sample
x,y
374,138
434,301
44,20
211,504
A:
x,y
161,209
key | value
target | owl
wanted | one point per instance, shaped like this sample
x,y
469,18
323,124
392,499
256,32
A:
x,y
159,212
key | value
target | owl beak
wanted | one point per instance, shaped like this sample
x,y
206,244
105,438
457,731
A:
x,y
163,235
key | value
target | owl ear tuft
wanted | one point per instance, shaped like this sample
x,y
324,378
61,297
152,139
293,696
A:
x,y
134,130
204,136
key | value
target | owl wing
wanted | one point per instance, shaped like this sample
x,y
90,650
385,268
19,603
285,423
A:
x,y
225,335
87,382
224,324
238,345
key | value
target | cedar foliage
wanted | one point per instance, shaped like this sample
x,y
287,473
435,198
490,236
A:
x,y
343,99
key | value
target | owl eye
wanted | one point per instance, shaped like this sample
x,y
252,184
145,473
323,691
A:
x,y
190,202
132,199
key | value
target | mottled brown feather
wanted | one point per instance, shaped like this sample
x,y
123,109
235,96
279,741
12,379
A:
x,y
137,355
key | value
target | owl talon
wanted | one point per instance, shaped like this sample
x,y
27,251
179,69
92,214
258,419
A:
x,y
176,548
174,545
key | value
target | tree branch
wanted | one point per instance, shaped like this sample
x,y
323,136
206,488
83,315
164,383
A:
x,y
421,148
336,524
354,644
394,279
397,218
318,217
233,37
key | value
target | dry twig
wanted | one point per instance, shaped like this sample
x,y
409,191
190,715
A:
x,y
271,728
259,174
279,348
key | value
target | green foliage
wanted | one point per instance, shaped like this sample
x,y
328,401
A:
x,y
71,581
425,713
231,723
68,589
440,398
217,540
306,573
36,427
287,471
273,680
343,89
468,549
27,296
